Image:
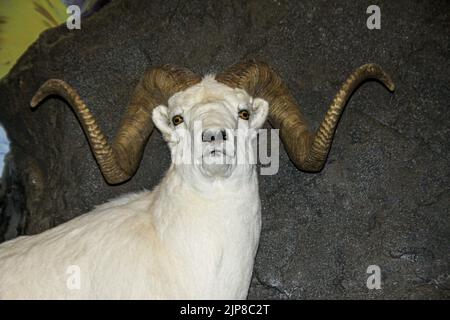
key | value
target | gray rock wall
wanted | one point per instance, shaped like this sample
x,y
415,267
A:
x,y
383,197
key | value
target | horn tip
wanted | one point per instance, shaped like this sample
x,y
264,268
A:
x,y
37,98
33,102
391,87
389,83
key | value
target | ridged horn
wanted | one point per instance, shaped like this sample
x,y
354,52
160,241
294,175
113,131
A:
x,y
118,162
307,150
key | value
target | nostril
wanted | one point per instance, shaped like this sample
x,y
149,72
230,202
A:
x,y
224,134
208,136
214,135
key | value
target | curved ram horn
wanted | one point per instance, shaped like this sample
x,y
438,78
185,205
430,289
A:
x,y
307,150
119,161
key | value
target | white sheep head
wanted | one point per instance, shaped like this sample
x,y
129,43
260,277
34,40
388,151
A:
x,y
210,129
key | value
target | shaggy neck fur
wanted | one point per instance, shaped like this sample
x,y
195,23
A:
x,y
214,235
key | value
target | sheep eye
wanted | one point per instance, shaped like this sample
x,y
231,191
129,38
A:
x,y
177,120
244,114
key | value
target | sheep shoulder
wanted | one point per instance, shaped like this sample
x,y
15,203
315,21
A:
x,y
89,242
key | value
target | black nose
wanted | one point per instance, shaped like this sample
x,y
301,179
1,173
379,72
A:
x,y
211,135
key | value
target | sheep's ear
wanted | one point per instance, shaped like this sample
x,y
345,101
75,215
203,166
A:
x,y
160,116
259,113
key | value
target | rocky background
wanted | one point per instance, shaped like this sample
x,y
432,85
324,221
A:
x,y
383,197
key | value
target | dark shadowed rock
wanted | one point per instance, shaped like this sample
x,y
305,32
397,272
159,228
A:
x,y
383,197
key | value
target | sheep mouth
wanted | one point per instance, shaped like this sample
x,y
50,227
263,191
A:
x,y
217,163
217,152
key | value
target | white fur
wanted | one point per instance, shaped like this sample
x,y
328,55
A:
x,y
194,236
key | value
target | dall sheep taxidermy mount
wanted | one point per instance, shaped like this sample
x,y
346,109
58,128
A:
x,y
194,236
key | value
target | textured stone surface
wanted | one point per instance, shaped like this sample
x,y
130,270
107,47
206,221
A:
x,y
383,197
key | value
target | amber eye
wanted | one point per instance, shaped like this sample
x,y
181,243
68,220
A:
x,y
244,114
177,120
